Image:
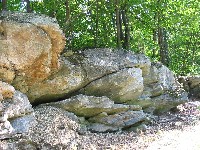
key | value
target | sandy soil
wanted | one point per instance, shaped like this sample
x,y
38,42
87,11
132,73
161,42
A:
x,y
186,139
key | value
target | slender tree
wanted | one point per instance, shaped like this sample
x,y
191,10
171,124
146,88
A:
x,y
118,25
4,5
126,38
96,24
28,6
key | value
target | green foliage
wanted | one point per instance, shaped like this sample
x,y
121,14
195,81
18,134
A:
x,y
92,24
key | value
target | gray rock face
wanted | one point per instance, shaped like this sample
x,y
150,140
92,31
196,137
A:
x,y
16,107
122,86
99,62
89,106
161,90
120,120
23,124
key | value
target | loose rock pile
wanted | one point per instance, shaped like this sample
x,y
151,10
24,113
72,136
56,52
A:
x,y
96,90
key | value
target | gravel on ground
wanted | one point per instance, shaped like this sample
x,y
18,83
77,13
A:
x,y
175,130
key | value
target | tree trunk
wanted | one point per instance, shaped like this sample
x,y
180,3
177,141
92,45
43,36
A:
x,y
68,30
4,5
126,42
162,36
67,11
96,24
121,29
162,42
117,13
28,6
155,40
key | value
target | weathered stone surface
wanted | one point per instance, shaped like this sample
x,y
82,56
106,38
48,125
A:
x,y
161,90
99,62
68,79
152,77
21,144
165,102
56,128
6,90
23,124
122,86
30,48
166,77
80,69
89,106
98,127
120,120
194,81
13,105
18,106
191,84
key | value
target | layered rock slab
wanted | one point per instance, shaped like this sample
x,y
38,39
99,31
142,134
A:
x,y
101,112
88,106
105,123
161,91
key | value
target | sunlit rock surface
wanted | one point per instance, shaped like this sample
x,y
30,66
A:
x,y
98,90
55,128
124,85
14,107
30,48
88,106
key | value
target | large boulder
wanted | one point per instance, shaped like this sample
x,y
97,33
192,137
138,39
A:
x,y
30,48
79,70
68,79
117,74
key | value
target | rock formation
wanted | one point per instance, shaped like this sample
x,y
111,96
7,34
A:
x,y
97,90
30,48
191,84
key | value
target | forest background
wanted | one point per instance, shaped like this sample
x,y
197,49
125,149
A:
x,y
165,30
